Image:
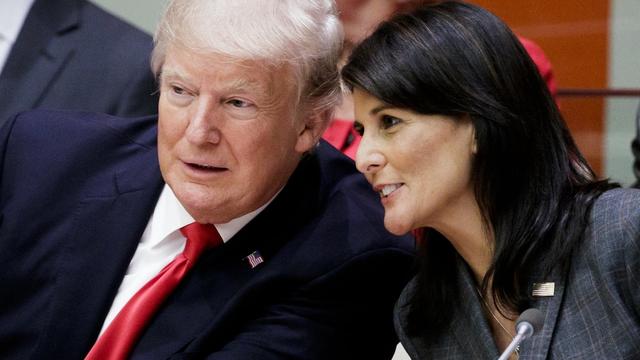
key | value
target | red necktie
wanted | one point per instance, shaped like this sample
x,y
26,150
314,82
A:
x,y
118,339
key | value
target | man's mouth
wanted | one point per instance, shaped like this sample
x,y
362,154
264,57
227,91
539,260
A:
x,y
205,167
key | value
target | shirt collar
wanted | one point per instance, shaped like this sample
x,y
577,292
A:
x,y
169,216
12,16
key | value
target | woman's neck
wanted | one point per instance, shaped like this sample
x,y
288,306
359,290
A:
x,y
465,229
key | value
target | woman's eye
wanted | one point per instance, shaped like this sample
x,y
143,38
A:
x,y
388,121
358,128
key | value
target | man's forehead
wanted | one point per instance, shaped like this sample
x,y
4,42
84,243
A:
x,y
238,75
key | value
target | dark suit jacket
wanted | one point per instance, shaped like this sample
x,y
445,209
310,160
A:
x,y
76,191
72,55
594,314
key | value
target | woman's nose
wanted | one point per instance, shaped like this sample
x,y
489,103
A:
x,y
369,159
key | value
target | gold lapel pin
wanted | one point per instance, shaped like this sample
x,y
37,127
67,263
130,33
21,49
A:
x,y
543,289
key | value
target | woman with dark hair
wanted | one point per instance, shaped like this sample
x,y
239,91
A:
x,y
462,139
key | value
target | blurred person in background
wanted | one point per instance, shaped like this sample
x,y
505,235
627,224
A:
x,y
359,18
70,54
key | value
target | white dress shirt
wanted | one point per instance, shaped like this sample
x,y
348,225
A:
x,y
161,242
12,15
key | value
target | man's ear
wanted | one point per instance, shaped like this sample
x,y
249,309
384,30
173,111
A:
x,y
311,130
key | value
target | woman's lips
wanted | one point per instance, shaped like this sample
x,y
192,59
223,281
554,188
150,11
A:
x,y
388,189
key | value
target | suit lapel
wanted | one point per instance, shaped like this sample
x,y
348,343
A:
x,y
203,311
267,234
538,346
41,51
108,226
471,328
200,305
469,325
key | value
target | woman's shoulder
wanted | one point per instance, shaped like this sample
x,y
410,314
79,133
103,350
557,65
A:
x,y
614,227
621,196
617,210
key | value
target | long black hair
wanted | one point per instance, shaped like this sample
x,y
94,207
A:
x,y
533,186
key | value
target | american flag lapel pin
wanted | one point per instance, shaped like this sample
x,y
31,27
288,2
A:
x,y
254,259
544,289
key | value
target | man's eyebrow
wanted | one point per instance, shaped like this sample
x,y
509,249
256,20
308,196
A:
x,y
235,84
170,73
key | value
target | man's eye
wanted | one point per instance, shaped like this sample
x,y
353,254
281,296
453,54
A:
x,y
241,109
358,128
178,90
389,121
238,103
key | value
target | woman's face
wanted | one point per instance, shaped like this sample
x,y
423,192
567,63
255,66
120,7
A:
x,y
419,164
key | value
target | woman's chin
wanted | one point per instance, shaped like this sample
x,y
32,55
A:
x,y
396,227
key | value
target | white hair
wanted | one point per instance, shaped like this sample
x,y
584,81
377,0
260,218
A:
x,y
304,34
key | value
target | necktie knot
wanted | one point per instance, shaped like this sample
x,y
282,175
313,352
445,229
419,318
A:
x,y
199,238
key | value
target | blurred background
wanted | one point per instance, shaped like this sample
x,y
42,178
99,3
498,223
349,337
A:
x,y
593,46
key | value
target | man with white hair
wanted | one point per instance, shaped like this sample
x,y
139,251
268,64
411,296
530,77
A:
x,y
223,229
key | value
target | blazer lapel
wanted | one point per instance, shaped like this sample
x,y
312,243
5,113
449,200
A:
x,y
41,50
538,346
469,325
199,306
108,226
266,234
203,311
472,331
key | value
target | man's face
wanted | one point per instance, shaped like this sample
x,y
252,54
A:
x,y
229,136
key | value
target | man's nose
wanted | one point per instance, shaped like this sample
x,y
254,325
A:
x,y
204,124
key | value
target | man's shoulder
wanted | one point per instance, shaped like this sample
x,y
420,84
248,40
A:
x,y
351,217
68,127
63,156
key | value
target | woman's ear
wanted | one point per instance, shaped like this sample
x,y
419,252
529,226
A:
x,y
473,136
474,142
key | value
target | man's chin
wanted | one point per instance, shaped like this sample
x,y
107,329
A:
x,y
204,207
207,215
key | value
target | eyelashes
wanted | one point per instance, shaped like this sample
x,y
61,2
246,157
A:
x,y
386,122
